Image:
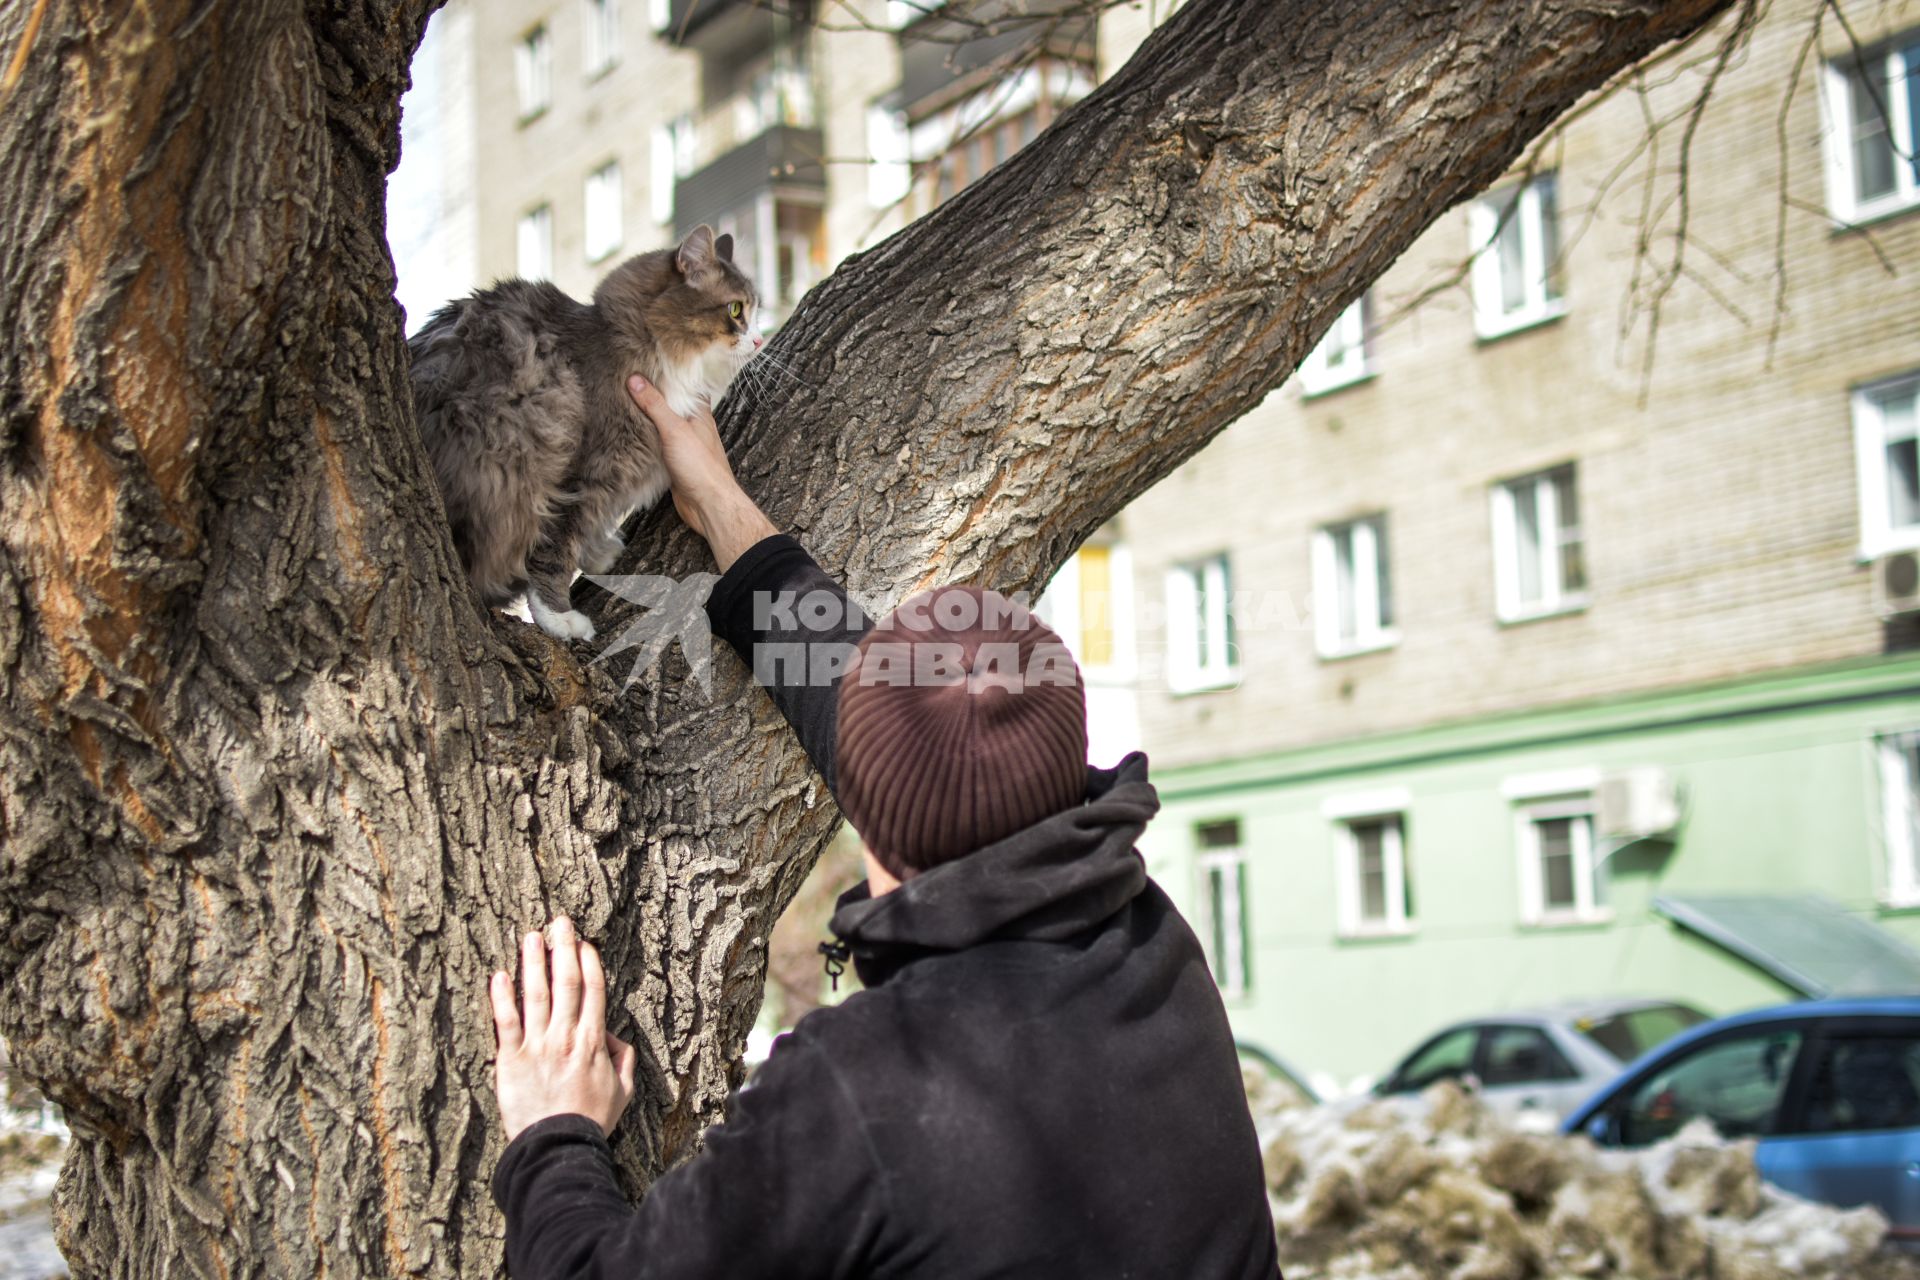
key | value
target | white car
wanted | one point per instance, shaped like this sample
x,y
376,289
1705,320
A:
x,y
1539,1065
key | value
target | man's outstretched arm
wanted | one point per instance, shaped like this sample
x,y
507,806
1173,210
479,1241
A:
x,y
790,622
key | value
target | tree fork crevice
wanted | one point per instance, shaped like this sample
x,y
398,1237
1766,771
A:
x,y
276,795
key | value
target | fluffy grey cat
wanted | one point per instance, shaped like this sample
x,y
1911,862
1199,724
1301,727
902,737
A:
x,y
522,398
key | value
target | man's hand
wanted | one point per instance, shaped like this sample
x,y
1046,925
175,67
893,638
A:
x,y
705,493
559,1059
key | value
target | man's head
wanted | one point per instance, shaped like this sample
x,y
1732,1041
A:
x,y
963,722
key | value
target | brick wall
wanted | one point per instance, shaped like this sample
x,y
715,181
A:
x,y
1720,516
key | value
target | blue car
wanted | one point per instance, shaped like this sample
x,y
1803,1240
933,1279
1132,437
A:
x,y
1830,1089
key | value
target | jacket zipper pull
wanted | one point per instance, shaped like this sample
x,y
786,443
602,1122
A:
x,y
837,954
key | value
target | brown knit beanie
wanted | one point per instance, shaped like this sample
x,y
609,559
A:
x,y
962,722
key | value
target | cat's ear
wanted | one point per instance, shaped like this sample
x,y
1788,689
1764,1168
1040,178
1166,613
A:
x,y
696,252
724,247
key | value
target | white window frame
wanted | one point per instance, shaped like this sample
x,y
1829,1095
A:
x,y
605,228
1589,869
1898,57
1393,852
674,150
533,243
599,35
1543,300
1900,815
1191,669
1233,970
1554,595
1371,631
660,14
1341,357
1877,532
533,71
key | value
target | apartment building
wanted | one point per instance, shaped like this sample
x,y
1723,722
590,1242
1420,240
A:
x,y
1502,670
1481,666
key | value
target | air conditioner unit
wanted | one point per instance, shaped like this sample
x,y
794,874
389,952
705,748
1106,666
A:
x,y
1637,804
1896,583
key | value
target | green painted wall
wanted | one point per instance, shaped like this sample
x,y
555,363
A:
x,y
1783,795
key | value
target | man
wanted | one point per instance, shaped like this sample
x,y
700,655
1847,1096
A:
x,y
1037,1081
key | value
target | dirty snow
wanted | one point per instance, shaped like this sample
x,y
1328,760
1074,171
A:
x,y
1442,1189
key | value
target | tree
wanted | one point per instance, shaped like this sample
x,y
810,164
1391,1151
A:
x,y
276,794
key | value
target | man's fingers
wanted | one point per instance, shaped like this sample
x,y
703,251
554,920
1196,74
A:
x,y
566,977
593,994
651,402
534,996
624,1056
506,1018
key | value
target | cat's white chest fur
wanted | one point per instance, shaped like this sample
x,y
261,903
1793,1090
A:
x,y
699,383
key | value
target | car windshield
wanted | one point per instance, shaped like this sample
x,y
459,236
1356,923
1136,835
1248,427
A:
x,y
1628,1035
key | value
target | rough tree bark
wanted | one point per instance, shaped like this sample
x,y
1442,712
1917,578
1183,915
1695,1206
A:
x,y
275,795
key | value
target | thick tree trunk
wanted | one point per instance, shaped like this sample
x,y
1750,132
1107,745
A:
x,y
275,795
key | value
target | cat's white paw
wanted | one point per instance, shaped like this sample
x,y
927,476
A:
x,y
568,625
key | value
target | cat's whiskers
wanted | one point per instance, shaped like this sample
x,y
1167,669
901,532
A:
x,y
775,364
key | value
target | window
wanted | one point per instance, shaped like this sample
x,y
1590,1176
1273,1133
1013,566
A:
x,y
1521,1055
533,72
1096,606
890,145
1540,562
1900,806
800,251
1448,1056
1737,1083
1628,1035
1561,881
533,247
1864,1083
1873,108
1886,434
969,159
1516,265
1352,589
1223,873
1089,602
671,160
604,231
1341,356
1201,653
1375,897
600,22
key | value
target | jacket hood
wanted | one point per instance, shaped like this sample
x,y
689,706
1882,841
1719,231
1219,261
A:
x,y
1052,880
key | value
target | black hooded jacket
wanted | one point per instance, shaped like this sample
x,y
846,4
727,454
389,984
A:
x,y
1038,1081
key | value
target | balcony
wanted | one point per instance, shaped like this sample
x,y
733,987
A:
x,y
943,60
767,135
729,27
782,156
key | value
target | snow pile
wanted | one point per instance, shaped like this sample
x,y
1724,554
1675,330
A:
x,y
1441,1189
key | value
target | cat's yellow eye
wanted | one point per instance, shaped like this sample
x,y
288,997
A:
x,y
736,309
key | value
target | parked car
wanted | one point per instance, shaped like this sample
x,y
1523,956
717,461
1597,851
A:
x,y
1830,1089
1275,1072
1538,1065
